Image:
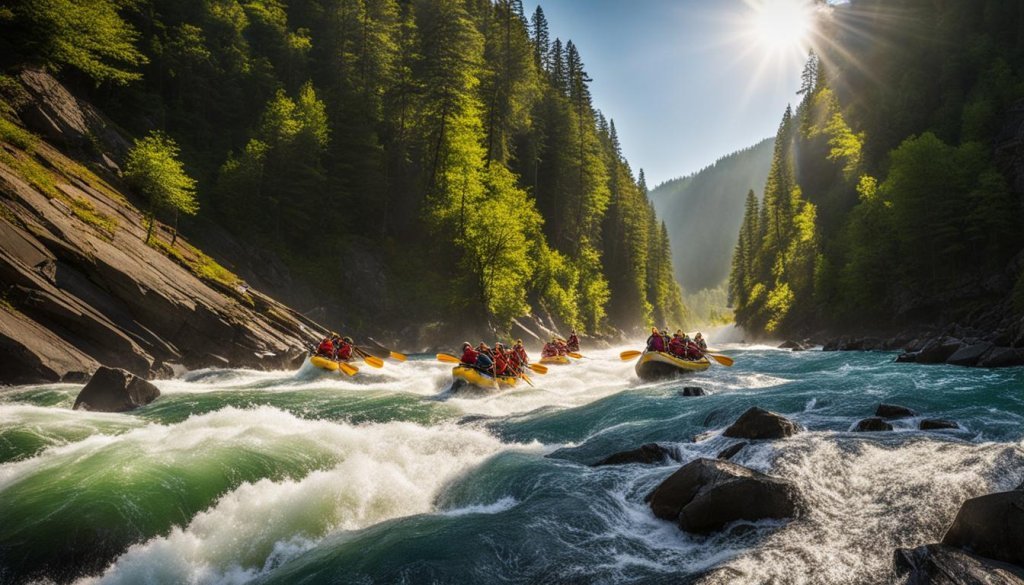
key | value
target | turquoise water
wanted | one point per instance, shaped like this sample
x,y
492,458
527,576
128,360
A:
x,y
295,477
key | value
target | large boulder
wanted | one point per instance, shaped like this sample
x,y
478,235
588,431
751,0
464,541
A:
x,y
706,494
937,351
991,526
872,424
935,564
969,355
649,453
936,424
1002,357
758,423
893,411
115,390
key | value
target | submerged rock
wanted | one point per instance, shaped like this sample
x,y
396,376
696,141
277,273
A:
x,y
115,390
935,564
893,411
692,391
992,526
758,423
731,451
706,494
907,357
934,424
792,345
649,453
872,424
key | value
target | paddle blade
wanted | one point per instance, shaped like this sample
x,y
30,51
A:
x,y
444,357
578,356
348,369
538,368
375,362
398,356
722,359
527,378
630,355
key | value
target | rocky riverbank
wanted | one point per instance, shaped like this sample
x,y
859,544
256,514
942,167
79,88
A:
x,y
80,287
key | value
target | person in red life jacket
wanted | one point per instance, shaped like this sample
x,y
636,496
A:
x,y
484,358
344,349
677,346
699,340
468,354
549,350
655,342
521,352
500,361
573,344
326,348
560,346
693,351
515,363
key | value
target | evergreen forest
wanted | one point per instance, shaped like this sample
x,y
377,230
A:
x,y
409,160
894,193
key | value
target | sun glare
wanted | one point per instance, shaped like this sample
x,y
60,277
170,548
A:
x,y
780,25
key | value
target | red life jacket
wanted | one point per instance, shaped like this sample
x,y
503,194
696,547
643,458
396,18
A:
x,y
326,348
521,352
469,356
500,363
345,351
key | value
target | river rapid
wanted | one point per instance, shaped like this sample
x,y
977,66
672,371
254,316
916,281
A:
x,y
236,476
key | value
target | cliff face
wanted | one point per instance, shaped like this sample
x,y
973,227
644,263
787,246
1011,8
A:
x,y
79,287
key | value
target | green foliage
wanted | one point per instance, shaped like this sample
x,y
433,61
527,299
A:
x,y
90,35
152,168
16,135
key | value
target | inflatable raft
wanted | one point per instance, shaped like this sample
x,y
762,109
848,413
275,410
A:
x,y
557,360
467,377
324,363
655,365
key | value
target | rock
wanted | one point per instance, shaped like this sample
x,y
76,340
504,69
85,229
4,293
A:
x,y
935,564
649,453
872,424
115,390
706,494
757,423
907,357
969,355
934,424
730,451
692,391
893,411
76,377
1002,357
991,526
937,351
793,345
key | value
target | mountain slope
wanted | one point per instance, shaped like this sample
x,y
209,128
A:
x,y
703,212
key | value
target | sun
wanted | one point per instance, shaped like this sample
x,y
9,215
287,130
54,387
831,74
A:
x,y
780,25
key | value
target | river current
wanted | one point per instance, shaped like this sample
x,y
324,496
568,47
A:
x,y
236,476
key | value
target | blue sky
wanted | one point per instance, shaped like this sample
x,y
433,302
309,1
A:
x,y
680,79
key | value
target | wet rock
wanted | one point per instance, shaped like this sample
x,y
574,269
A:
x,y
793,345
937,351
907,357
991,526
935,424
969,355
692,391
935,564
1002,357
115,390
731,451
649,453
873,424
706,494
76,377
893,411
757,423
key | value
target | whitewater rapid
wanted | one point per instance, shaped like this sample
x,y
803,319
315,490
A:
x,y
237,476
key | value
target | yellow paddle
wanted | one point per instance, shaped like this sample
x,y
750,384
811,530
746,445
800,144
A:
x,y
538,368
444,357
578,356
375,362
391,353
722,359
631,354
349,369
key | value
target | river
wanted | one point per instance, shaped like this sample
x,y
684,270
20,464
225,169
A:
x,y
236,476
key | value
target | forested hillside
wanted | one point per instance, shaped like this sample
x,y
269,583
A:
x,y
703,212
409,160
894,196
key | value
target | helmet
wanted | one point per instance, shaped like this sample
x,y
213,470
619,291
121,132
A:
x,y
519,341
466,344
348,340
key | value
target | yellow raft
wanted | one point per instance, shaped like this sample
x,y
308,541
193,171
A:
x,y
324,363
654,365
465,376
558,360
